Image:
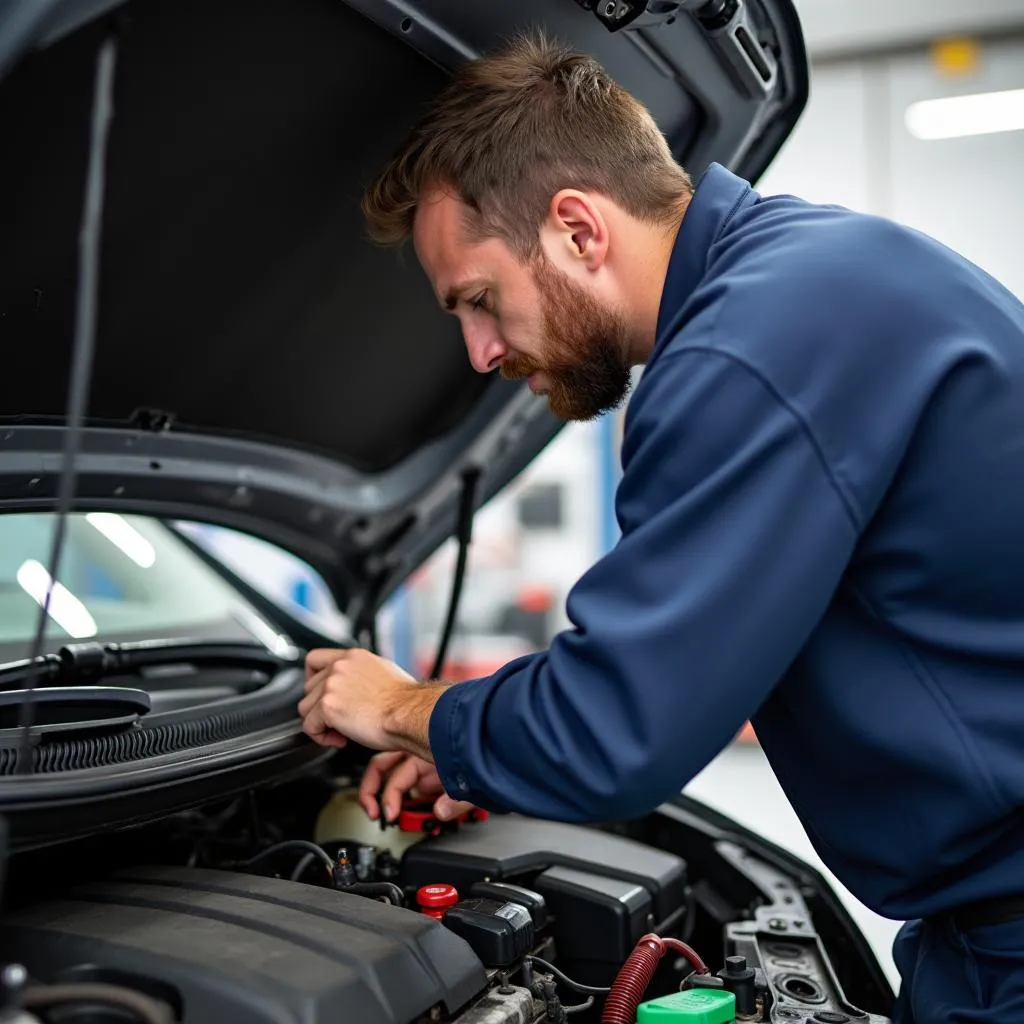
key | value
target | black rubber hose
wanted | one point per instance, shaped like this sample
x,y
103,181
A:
x,y
145,1008
464,534
376,890
297,845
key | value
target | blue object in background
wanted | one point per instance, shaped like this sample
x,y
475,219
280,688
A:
x,y
607,482
99,583
302,593
402,653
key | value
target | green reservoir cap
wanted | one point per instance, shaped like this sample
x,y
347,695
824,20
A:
x,y
695,1006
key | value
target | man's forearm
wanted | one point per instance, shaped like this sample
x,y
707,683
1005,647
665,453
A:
x,y
408,718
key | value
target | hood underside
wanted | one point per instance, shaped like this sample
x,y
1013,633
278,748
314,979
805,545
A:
x,y
259,363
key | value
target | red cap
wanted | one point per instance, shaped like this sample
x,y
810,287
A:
x,y
434,900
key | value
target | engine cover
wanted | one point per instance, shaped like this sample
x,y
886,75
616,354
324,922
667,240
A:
x,y
232,948
510,848
604,892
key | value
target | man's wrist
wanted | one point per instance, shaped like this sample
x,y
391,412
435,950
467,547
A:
x,y
407,720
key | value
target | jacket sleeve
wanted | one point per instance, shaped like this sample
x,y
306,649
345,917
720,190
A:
x,y
734,536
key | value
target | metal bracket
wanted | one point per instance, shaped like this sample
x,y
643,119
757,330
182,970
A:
x,y
729,24
617,14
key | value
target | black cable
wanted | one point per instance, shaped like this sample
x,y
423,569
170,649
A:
x,y
377,890
300,868
691,915
566,980
387,891
81,358
143,1007
290,844
464,534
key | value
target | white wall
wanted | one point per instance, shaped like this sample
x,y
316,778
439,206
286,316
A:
x,y
845,26
852,147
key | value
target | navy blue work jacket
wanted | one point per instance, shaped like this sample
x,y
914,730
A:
x,y
822,530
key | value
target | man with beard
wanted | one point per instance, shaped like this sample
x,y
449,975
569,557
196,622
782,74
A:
x,y
821,511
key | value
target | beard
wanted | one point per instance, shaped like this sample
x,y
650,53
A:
x,y
585,360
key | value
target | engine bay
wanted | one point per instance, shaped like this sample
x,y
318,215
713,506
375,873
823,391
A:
x,y
289,904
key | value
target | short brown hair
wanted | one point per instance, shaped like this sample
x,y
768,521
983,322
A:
x,y
513,128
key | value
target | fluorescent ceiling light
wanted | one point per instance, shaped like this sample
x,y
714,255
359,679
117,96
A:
x,y
265,633
65,609
955,117
123,535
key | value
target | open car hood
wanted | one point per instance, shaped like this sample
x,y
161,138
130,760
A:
x,y
259,364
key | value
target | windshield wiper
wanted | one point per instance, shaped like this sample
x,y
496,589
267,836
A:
x,y
81,664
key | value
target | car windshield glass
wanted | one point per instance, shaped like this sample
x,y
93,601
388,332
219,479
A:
x,y
121,578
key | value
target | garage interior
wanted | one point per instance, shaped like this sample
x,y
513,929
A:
x,y
916,114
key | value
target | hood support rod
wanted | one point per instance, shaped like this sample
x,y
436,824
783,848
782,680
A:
x,y
81,360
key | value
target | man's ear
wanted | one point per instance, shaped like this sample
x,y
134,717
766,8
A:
x,y
579,228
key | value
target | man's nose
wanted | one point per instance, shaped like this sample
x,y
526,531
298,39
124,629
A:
x,y
486,349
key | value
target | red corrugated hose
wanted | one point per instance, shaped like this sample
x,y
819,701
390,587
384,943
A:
x,y
636,973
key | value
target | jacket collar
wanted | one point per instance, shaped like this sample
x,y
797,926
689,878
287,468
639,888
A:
x,y
718,195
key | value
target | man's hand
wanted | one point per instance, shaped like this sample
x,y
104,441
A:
x,y
355,695
405,773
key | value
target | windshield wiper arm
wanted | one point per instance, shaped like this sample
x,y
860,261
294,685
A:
x,y
80,664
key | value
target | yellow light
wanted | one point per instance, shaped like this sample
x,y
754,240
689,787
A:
x,y
956,56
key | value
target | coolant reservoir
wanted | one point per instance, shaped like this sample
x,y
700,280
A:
x,y
694,1006
343,818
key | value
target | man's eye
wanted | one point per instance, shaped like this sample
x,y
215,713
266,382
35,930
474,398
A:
x,y
480,302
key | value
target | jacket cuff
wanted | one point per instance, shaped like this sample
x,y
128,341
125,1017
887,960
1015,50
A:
x,y
442,733
448,733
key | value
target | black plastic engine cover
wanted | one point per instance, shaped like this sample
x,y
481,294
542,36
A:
x,y
599,919
232,948
511,848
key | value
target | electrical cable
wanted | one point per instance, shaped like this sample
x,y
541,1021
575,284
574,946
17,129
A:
x,y
580,1007
636,973
145,1008
377,891
387,891
464,534
586,990
81,359
290,844
300,868
691,912
687,951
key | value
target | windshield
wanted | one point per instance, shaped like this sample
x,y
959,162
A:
x,y
121,578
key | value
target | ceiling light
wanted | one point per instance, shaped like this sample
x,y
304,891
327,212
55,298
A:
x,y
65,609
123,535
958,116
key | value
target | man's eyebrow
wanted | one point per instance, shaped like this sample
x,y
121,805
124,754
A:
x,y
456,291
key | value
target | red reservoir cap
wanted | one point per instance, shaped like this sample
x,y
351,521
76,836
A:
x,y
434,900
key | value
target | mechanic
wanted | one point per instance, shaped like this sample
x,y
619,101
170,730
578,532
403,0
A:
x,y
821,512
